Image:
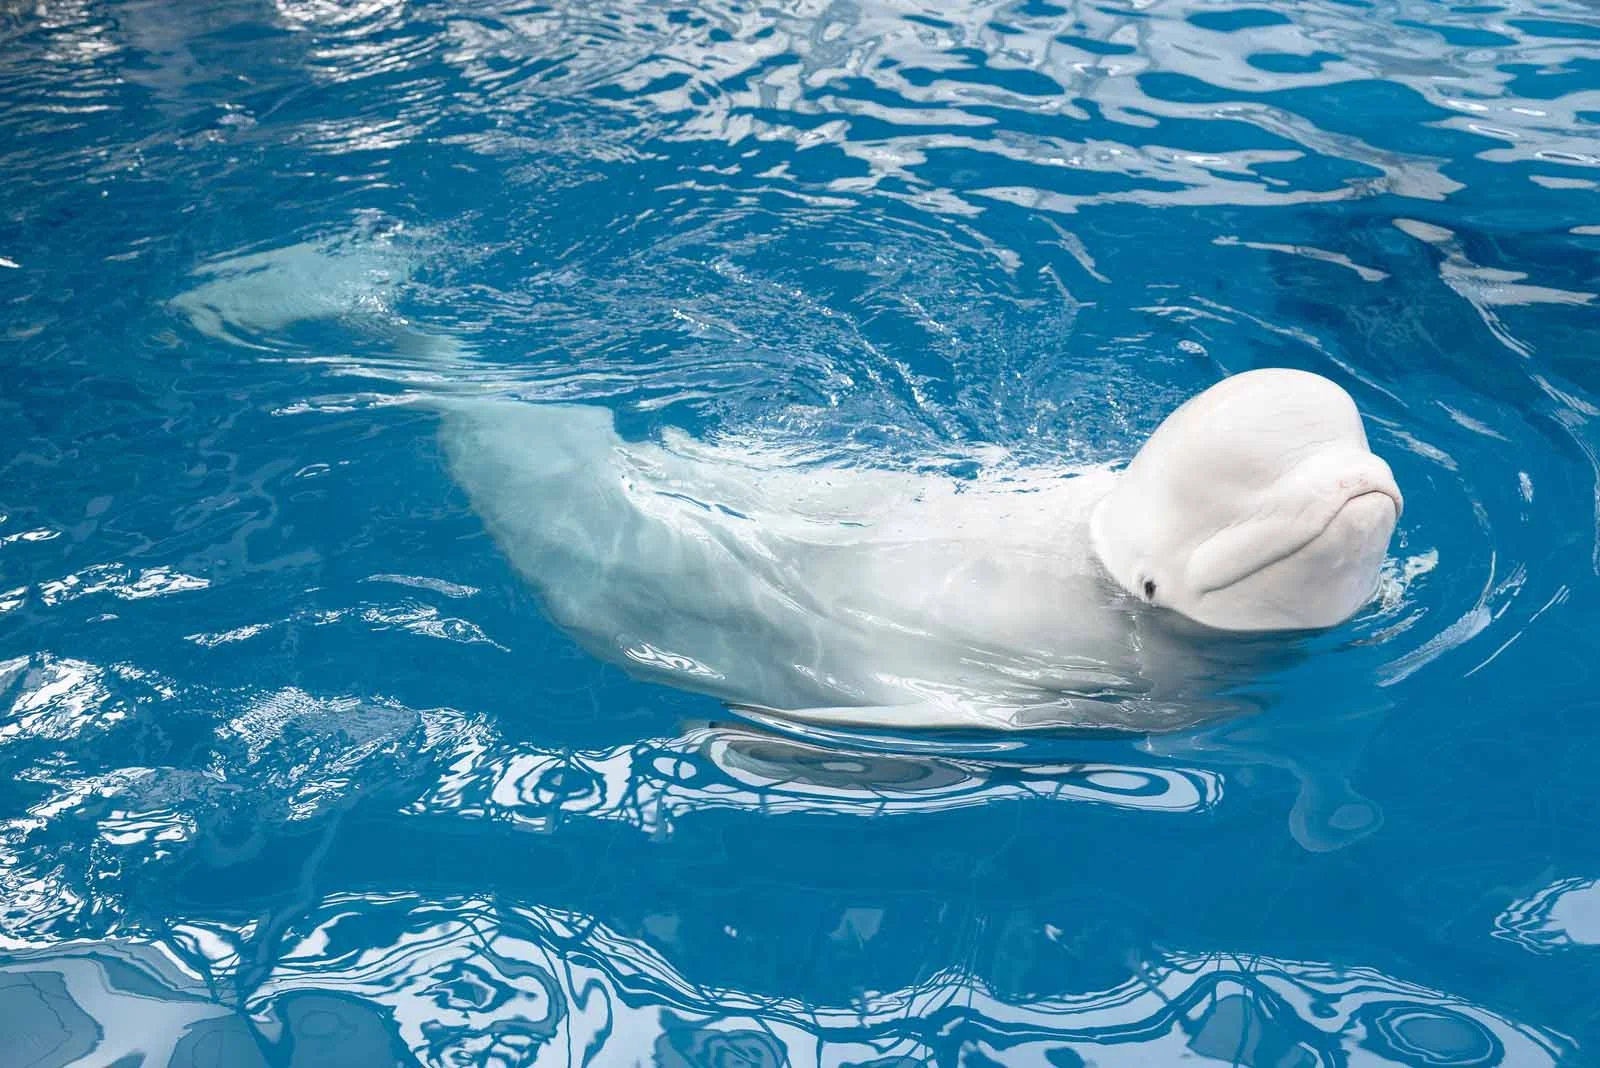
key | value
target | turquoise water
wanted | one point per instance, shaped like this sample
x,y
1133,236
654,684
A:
x,y
294,772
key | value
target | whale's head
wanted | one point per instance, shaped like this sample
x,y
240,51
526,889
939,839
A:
x,y
1256,506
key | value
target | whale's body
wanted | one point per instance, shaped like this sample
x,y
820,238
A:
x,y
867,596
839,595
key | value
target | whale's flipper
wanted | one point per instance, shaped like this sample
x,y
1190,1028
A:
x,y
551,484
625,559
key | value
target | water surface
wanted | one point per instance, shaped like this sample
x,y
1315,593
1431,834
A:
x,y
294,772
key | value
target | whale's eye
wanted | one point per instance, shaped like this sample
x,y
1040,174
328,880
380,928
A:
x,y
1149,590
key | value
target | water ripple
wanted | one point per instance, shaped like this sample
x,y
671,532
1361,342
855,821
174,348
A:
x,y
290,766
461,980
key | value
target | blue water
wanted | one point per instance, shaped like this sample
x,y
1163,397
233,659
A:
x,y
293,772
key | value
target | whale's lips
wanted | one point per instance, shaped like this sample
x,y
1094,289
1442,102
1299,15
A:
x,y
1372,505
1349,473
1371,509
1334,512
1366,516
1363,486
1377,483
1358,531
1376,497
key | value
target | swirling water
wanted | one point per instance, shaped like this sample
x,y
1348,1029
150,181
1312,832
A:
x,y
294,770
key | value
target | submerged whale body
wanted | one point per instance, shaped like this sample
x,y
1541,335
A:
x,y
1141,599
1095,599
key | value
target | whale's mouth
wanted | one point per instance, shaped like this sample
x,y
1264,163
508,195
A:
x,y
1355,530
1390,493
1364,518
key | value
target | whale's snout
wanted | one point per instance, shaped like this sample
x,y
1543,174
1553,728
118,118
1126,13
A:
x,y
1364,526
1369,476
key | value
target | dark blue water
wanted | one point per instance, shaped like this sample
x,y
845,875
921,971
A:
x,y
293,772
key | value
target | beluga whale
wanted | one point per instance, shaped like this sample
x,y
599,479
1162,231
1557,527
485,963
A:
x,y
859,597
1142,599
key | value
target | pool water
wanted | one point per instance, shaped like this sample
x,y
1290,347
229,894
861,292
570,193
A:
x,y
293,769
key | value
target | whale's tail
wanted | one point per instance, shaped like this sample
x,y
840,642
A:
x,y
543,476
588,521
266,300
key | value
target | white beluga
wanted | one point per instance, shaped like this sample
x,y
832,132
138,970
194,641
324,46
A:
x,y
870,597
1138,600
1256,506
